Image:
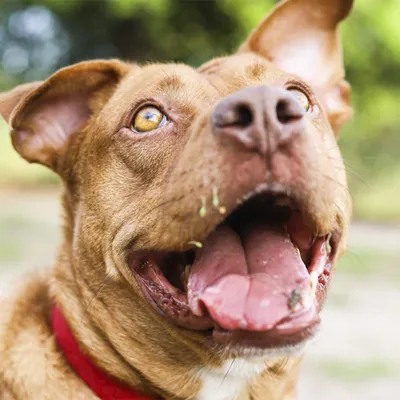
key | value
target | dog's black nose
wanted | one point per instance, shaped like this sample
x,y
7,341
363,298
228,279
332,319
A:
x,y
259,118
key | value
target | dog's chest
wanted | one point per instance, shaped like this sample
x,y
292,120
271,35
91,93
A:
x,y
230,381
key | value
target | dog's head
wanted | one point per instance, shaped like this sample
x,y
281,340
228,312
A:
x,y
214,199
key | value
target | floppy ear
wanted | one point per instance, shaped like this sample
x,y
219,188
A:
x,y
43,115
301,37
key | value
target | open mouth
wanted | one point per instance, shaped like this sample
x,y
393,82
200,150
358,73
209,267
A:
x,y
261,271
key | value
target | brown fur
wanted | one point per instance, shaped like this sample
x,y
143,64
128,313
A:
x,y
122,189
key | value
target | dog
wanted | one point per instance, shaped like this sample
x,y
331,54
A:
x,y
204,210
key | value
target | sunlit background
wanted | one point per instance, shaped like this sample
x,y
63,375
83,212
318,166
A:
x,y
357,353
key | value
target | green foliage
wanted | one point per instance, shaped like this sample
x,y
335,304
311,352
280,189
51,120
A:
x,y
129,7
371,142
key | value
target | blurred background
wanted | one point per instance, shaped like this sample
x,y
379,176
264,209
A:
x,y
356,355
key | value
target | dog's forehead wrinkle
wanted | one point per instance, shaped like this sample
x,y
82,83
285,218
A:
x,y
176,86
239,71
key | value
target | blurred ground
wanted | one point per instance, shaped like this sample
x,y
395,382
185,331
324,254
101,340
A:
x,y
356,356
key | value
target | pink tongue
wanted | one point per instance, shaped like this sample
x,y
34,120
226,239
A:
x,y
248,283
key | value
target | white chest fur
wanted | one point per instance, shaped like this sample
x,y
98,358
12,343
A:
x,y
235,376
229,381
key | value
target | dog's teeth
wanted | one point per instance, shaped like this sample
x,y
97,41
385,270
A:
x,y
313,283
328,244
222,210
185,275
328,248
298,251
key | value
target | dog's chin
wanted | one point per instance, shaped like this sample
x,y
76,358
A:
x,y
261,354
255,284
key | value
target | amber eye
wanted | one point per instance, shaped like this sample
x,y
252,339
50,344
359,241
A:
x,y
148,118
302,97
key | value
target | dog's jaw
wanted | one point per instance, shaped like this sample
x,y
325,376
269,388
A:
x,y
178,295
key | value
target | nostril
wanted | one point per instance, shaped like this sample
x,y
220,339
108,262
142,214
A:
x,y
233,115
244,116
288,110
282,112
233,120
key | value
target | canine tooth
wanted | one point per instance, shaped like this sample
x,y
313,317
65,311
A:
x,y
197,244
222,210
328,244
186,274
313,284
203,210
298,251
328,248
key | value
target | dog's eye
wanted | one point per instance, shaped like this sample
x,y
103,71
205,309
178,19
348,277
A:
x,y
148,118
302,97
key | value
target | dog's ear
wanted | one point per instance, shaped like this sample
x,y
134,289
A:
x,y
43,115
302,37
9,100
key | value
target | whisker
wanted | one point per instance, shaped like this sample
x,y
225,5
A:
x,y
337,183
227,372
358,176
352,171
355,256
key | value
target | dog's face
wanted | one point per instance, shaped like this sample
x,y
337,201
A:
x,y
216,195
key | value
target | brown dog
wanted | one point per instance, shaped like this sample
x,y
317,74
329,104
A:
x,y
203,211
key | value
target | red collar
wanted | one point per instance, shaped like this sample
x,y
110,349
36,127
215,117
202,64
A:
x,y
103,385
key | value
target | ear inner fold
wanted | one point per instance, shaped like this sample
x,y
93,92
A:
x,y
9,100
44,119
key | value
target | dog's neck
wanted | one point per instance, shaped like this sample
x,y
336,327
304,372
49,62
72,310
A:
x,y
104,386
147,353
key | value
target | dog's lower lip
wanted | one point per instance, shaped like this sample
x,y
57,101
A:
x,y
172,301
275,339
167,299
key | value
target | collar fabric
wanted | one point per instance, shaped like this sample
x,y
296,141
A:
x,y
103,385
